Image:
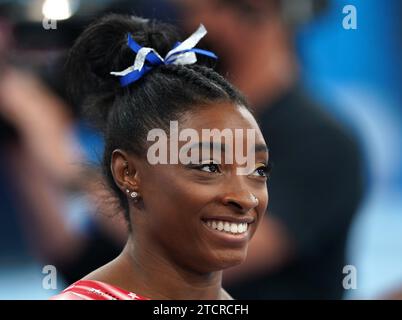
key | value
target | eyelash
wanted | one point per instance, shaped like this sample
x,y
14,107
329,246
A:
x,y
201,166
266,169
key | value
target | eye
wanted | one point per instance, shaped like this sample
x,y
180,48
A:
x,y
209,167
262,170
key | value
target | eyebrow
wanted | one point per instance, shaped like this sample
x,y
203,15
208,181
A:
x,y
260,147
207,145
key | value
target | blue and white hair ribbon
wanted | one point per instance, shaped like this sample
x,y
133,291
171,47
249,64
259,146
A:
x,y
147,58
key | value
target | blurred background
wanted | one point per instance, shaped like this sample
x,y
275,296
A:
x,y
344,55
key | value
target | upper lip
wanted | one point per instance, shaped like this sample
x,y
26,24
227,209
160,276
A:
x,y
244,219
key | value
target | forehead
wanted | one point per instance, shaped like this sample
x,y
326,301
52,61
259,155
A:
x,y
224,115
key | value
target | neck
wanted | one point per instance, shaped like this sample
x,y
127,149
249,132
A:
x,y
146,272
269,69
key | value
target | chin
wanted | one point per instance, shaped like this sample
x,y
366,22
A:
x,y
230,259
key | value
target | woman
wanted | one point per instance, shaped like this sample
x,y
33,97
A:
x,y
187,221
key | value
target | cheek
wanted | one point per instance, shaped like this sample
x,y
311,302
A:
x,y
265,200
263,197
172,201
173,219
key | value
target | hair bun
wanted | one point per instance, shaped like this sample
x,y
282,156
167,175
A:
x,y
102,48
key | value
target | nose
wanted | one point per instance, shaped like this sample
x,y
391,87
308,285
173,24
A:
x,y
243,201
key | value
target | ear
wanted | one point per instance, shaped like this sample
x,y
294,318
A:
x,y
124,169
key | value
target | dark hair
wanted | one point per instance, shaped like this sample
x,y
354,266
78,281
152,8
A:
x,y
126,114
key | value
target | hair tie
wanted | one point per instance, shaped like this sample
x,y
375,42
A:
x,y
181,54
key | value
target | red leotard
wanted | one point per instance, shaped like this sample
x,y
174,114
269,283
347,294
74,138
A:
x,y
95,290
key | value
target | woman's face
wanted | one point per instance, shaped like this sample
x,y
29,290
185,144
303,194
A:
x,y
202,216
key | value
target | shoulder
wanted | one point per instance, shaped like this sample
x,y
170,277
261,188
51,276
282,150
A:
x,y
299,126
68,296
95,290
297,115
225,295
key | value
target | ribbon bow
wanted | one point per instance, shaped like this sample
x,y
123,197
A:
x,y
182,53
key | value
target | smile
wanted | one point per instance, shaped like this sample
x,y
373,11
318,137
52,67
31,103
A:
x,y
227,227
228,232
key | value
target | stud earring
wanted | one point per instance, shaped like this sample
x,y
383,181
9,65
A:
x,y
133,194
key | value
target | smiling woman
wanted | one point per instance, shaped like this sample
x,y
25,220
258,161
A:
x,y
187,222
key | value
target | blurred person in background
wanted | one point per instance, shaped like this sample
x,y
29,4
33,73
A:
x,y
48,191
316,184
47,165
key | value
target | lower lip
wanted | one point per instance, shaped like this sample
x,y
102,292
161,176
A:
x,y
228,238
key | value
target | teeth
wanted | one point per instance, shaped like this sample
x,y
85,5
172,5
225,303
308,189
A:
x,y
220,225
229,227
